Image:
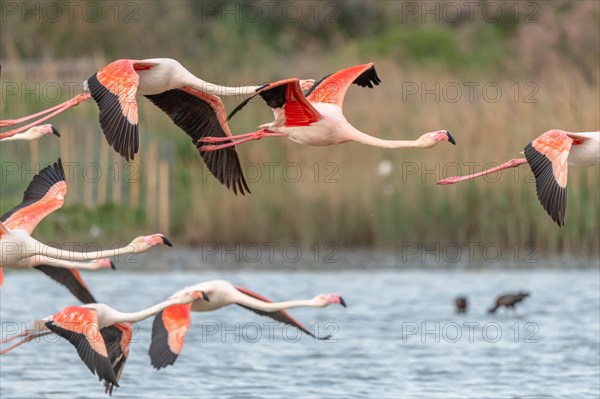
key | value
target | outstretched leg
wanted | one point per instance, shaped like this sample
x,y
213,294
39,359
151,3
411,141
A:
x,y
243,138
513,163
38,326
50,112
28,338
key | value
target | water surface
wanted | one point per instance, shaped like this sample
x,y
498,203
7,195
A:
x,y
398,338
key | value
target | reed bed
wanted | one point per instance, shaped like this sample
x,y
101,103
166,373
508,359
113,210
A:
x,y
336,194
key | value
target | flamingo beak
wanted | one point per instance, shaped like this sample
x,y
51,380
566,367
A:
x,y
205,296
112,265
342,302
166,241
55,131
450,138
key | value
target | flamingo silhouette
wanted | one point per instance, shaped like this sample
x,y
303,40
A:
x,y
317,118
100,334
45,194
171,325
190,102
549,156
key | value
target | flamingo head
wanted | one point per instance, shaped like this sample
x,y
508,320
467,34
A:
x,y
42,130
143,243
432,138
192,296
329,299
106,263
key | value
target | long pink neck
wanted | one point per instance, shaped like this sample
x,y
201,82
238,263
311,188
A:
x,y
51,252
119,317
246,300
363,138
212,88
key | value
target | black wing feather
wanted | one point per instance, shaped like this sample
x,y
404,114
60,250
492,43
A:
x,y
39,186
160,353
198,120
283,317
97,363
122,135
67,278
112,339
368,78
552,196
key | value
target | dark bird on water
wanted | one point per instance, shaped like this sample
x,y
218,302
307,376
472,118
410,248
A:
x,y
461,304
509,301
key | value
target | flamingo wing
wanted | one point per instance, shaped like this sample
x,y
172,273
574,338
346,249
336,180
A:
x,y
201,114
332,88
547,156
286,95
114,88
117,339
45,194
168,334
281,315
79,326
71,279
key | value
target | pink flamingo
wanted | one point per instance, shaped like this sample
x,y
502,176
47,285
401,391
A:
x,y
549,156
33,133
45,194
100,333
171,325
190,102
317,118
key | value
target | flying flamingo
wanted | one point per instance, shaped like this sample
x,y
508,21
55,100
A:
x,y
549,156
44,195
171,325
33,133
100,333
190,102
316,118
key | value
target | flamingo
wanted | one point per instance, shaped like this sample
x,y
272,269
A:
x,y
316,118
171,325
45,194
549,156
190,102
33,133
100,334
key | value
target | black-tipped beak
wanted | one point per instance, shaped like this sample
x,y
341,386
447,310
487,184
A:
x,y
55,131
342,302
112,265
205,296
166,241
450,138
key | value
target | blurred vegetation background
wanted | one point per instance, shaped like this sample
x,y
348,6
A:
x,y
495,74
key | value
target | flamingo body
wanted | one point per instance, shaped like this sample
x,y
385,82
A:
x,y
44,195
317,118
549,156
100,334
171,325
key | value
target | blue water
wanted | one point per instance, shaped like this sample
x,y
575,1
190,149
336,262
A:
x,y
398,338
